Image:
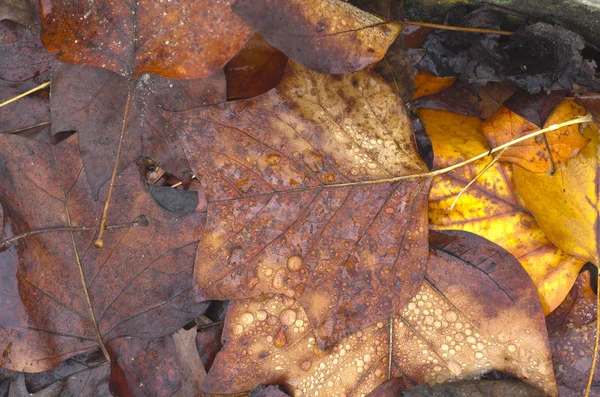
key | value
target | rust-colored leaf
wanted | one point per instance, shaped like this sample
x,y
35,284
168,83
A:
x,y
140,283
256,69
546,153
28,111
329,36
175,39
476,311
489,207
428,84
578,308
92,102
280,217
566,204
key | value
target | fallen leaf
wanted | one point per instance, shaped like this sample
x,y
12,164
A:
x,y
396,68
140,284
572,348
19,11
462,99
82,375
28,111
177,39
579,307
30,61
328,36
428,84
489,207
454,328
534,108
19,389
280,218
533,154
566,204
145,366
92,101
254,70
208,342
191,368
476,388
267,391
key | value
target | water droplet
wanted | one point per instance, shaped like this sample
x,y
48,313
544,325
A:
x,y
278,279
288,317
511,348
247,318
280,339
451,316
238,329
479,355
294,263
313,160
261,315
273,159
306,365
454,367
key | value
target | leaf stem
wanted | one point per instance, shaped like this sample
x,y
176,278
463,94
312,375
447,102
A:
x,y
43,123
458,28
13,99
98,242
139,221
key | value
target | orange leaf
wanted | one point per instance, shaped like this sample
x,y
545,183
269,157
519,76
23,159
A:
x,y
489,208
533,154
476,311
428,84
176,39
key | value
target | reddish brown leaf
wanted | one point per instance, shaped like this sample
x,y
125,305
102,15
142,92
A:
x,y
28,111
189,363
29,61
329,36
277,220
177,39
256,69
579,307
139,284
476,311
92,102
142,367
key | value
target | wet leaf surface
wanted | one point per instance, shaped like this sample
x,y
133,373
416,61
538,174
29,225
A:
x,y
139,285
579,307
31,60
277,223
329,36
92,101
450,330
566,204
489,207
477,388
546,153
254,70
176,39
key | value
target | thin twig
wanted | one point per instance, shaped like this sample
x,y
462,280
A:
x,y
98,242
139,221
27,128
458,28
39,87
483,171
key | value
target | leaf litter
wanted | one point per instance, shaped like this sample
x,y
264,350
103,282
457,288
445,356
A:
x,y
299,174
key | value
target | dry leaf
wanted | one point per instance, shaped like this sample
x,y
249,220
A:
x,y
329,36
428,84
476,311
277,221
489,207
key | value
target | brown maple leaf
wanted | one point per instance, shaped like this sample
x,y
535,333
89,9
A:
x,y
291,208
